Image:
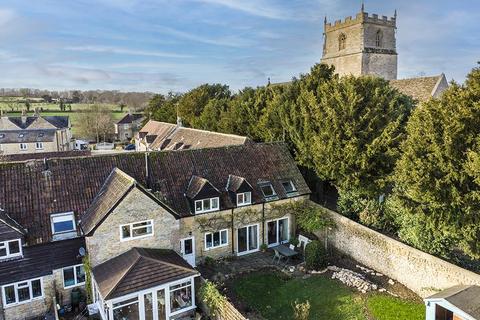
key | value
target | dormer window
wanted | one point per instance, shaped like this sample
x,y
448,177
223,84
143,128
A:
x,y
63,226
244,199
288,186
10,249
207,205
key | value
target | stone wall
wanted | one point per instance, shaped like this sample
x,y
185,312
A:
x,y
419,271
193,226
34,308
105,242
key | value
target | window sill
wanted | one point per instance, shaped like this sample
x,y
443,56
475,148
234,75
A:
x,y
207,211
75,286
136,238
243,204
217,247
12,305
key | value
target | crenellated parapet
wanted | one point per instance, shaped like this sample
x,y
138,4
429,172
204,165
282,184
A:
x,y
361,17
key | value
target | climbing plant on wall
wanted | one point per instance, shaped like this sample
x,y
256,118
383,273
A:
x,y
208,224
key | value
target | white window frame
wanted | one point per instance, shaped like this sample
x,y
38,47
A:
x,y
23,146
277,231
244,196
64,214
269,184
294,189
211,207
220,237
248,236
77,284
5,244
39,146
132,237
141,295
16,287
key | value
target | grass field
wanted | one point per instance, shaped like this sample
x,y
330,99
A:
x,y
272,295
74,117
51,107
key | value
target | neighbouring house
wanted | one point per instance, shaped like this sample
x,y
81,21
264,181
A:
x,y
33,134
145,220
127,127
159,136
457,303
422,89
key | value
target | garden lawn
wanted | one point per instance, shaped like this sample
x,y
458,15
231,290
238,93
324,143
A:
x,y
273,294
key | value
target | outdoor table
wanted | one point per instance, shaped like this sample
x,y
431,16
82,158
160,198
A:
x,y
285,251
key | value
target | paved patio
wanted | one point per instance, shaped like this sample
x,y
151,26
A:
x,y
247,263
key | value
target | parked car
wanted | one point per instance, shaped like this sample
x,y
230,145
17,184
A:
x,y
129,147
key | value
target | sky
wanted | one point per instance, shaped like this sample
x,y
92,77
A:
x,y
176,45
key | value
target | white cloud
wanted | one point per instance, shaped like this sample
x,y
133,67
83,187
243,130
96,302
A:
x,y
127,51
228,41
6,16
258,8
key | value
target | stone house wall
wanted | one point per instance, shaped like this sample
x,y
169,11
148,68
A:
x,y
105,243
64,294
14,148
420,272
193,226
34,308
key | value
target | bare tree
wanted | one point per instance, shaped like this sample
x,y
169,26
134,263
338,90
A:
x,y
96,124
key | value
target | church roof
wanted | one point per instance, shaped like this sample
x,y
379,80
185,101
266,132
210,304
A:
x,y
421,88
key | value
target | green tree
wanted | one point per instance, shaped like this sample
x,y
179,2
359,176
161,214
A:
x,y
437,178
163,108
192,103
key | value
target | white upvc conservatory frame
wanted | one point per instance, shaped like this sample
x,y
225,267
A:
x,y
141,303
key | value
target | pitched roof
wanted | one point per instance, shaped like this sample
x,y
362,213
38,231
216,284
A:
x,y
130,117
43,155
40,122
6,219
421,88
139,269
196,185
33,190
117,185
27,136
173,137
235,182
464,297
40,260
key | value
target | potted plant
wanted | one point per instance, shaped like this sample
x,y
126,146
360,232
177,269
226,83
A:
x,y
263,247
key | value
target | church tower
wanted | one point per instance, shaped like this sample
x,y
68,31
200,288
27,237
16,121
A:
x,y
362,45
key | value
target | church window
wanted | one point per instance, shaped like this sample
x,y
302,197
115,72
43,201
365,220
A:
x,y
378,39
342,41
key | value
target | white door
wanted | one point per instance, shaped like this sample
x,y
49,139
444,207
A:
x,y
247,239
187,247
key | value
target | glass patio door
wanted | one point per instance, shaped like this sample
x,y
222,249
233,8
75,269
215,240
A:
x,y
247,239
277,232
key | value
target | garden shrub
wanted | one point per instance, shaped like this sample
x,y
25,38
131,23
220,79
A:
x,y
315,255
212,298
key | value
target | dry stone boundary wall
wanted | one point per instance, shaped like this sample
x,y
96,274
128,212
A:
x,y
420,272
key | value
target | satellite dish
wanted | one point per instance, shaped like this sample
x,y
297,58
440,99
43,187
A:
x,y
81,251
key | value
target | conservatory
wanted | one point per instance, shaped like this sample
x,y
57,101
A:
x,y
145,284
